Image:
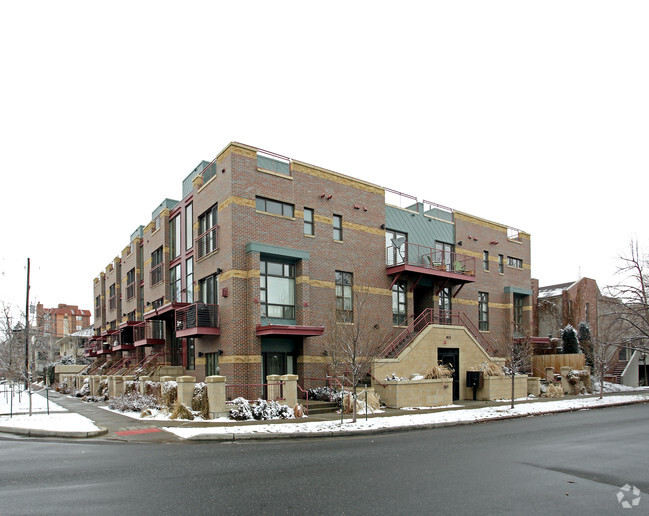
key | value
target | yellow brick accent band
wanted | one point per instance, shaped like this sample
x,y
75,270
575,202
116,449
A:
x,y
240,359
235,199
360,227
312,359
237,273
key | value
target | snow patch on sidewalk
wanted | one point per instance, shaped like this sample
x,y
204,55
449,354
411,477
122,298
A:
x,y
58,422
414,420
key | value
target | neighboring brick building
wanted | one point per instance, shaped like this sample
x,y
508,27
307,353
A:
x,y
567,303
62,320
246,275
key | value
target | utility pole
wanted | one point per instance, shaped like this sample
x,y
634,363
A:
x,y
27,331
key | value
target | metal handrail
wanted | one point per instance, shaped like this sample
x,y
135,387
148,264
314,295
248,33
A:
x,y
426,257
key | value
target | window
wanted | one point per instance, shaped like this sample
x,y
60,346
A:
x,y
485,260
443,255
277,289
157,224
97,307
518,311
207,231
112,300
189,226
208,290
483,311
274,207
191,354
309,228
344,303
587,312
399,312
130,284
189,280
175,285
514,262
501,265
337,222
80,318
156,266
131,316
395,244
445,305
174,237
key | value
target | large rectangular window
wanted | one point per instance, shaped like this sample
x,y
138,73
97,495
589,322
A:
x,y
277,289
97,307
189,226
207,231
483,311
112,299
337,222
274,207
208,289
175,284
444,254
130,284
399,307
189,280
344,296
501,264
445,307
309,227
485,260
174,236
518,311
156,266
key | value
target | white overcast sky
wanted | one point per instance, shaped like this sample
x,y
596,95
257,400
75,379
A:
x,y
532,114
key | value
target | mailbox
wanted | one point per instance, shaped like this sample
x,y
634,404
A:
x,y
474,379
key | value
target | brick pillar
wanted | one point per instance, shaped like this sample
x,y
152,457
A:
x,y
186,389
549,374
290,389
216,396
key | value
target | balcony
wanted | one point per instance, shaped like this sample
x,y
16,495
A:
x,y
207,242
197,319
419,259
156,274
149,333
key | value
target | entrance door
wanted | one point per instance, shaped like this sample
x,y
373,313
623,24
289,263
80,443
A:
x,y
451,356
211,364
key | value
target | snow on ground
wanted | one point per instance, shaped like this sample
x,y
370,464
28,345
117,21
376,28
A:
x,y
616,387
21,401
162,415
60,422
414,420
58,419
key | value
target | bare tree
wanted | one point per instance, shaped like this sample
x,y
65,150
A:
x,y
12,349
353,344
517,350
632,292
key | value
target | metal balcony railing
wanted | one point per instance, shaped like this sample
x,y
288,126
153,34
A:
x,y
429,258
208,242
149,330
197,315
156,274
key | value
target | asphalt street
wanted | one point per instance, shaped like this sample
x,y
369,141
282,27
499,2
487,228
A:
x,y
573,463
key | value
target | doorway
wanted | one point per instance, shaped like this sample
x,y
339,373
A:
x,y
451,357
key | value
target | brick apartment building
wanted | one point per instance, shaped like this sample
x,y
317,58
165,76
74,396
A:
x,y
247,273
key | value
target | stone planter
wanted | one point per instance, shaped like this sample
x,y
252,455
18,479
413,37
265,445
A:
x,y
500,388
416,393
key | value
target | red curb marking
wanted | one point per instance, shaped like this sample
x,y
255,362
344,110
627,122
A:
x,y
134,432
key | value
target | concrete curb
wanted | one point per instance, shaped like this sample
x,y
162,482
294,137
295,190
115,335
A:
x,y
378,431
38,432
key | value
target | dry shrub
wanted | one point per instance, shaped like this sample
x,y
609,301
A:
x,y
373,402
200,402
439,371
131,386
146,413
153,389
488,369
102,390
169,393
298,410
180,411
553,391
582,375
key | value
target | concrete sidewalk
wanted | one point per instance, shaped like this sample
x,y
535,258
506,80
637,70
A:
x,y
118,427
